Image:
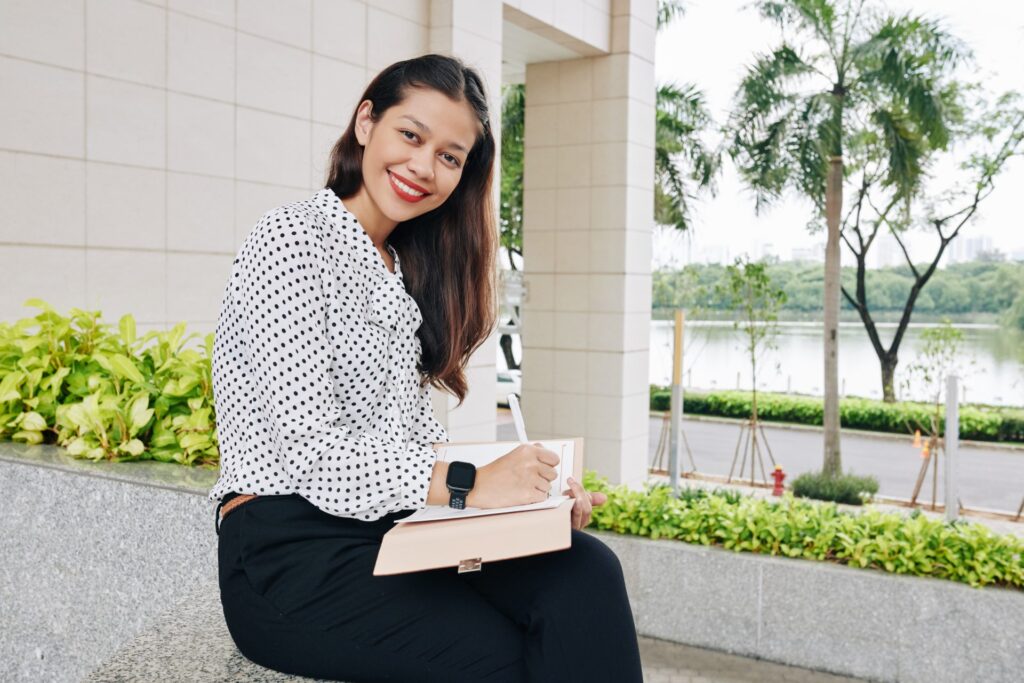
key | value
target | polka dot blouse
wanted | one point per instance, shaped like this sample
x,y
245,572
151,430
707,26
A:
x,y
314,368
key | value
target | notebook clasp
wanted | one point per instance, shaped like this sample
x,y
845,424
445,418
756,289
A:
x,y
473,564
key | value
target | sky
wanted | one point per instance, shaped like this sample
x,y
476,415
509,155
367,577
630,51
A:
x,y
712,44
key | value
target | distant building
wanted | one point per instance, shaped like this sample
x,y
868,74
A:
x,y
814,253
964,249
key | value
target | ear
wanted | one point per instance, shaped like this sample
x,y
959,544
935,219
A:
x,y
364,124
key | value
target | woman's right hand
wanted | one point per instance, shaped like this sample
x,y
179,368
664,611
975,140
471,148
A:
x,y
521,476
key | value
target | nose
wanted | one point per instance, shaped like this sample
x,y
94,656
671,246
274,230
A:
x,y
421,165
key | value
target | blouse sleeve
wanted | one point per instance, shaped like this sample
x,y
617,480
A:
x,y
426,429
284,294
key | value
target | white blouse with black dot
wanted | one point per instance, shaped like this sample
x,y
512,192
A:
x,y
314,368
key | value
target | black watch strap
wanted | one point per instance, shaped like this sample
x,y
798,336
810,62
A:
x,y
458,500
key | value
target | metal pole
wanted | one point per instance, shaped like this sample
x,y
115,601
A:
x,y
952,444
676,408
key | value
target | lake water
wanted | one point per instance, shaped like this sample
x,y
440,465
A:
x,y
715,358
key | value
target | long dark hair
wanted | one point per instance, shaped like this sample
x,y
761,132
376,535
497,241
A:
x,y
448,253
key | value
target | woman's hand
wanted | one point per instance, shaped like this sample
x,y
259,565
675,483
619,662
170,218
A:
x,y
582,506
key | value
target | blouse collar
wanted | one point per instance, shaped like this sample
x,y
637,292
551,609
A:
x,y
358,237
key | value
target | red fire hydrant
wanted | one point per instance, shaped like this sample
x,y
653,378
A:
x,y
778,475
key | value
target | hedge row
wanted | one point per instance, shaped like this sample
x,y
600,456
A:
x,y
959,551
979,423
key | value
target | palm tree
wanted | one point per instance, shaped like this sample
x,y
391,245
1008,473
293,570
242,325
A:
x,y
843,70
681,118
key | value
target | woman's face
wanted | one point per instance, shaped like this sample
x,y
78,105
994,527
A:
x,y
414,154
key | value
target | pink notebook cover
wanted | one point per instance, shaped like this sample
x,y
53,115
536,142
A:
x,y
469,544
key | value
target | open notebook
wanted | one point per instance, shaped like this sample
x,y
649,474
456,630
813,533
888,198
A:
x,y
439,536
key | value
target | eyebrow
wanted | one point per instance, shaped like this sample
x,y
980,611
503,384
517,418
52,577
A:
x,y
426,129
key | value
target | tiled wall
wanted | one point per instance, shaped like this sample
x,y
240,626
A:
x,y
588,215
140,141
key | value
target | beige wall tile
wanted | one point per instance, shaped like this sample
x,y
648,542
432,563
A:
x,y
41,109
218,11
575,80
573,210
571,330
540,209
416,11
570,413
126,207
336,90
539,250
610,163
195,286
538,327
120,281
286,21
272,149
49,32
570,371
42,199
200,58
571,292
339,29
200,135
540,374
324,138
54,274
539,410
542,83
541,291
540,126
126,39
540,168
574,123
572,251
399,38
574,166
273,77
126,122
200,213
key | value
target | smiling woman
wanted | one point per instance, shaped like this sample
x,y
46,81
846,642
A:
x,y
339,312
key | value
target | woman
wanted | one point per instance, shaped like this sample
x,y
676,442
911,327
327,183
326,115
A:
x,y
340,312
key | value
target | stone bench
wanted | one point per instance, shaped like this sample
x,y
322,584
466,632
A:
x,y
189,642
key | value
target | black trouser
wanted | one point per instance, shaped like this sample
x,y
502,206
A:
x,y
299,596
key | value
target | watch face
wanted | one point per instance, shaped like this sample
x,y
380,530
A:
x,y
461,475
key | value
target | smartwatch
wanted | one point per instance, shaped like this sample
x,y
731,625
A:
x,y
460,479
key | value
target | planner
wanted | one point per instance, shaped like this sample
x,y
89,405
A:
x,y
438,536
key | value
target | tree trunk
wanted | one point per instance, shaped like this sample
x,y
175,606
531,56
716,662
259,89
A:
x,y
833,207
505,341
888,363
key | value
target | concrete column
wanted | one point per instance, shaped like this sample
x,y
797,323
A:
x,y
471,31
588,217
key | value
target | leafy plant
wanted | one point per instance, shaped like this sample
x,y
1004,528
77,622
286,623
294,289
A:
x,y
845,488
792,527
104,395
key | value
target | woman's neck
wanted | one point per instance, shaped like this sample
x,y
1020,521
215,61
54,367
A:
x,y
374,222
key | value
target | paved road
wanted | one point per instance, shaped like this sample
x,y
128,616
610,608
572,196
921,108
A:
x,y
989,478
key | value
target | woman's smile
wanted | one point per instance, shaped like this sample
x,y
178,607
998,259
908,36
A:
x,y
406,189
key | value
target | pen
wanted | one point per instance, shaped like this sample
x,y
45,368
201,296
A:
x,y
517,417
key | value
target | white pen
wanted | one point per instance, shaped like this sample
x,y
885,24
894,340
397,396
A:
x,y
517,417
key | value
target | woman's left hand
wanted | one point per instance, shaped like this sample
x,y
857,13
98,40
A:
x,y
583,504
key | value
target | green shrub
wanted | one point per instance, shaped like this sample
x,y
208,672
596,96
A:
x,y
106,395
978,423
799,528
846,488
